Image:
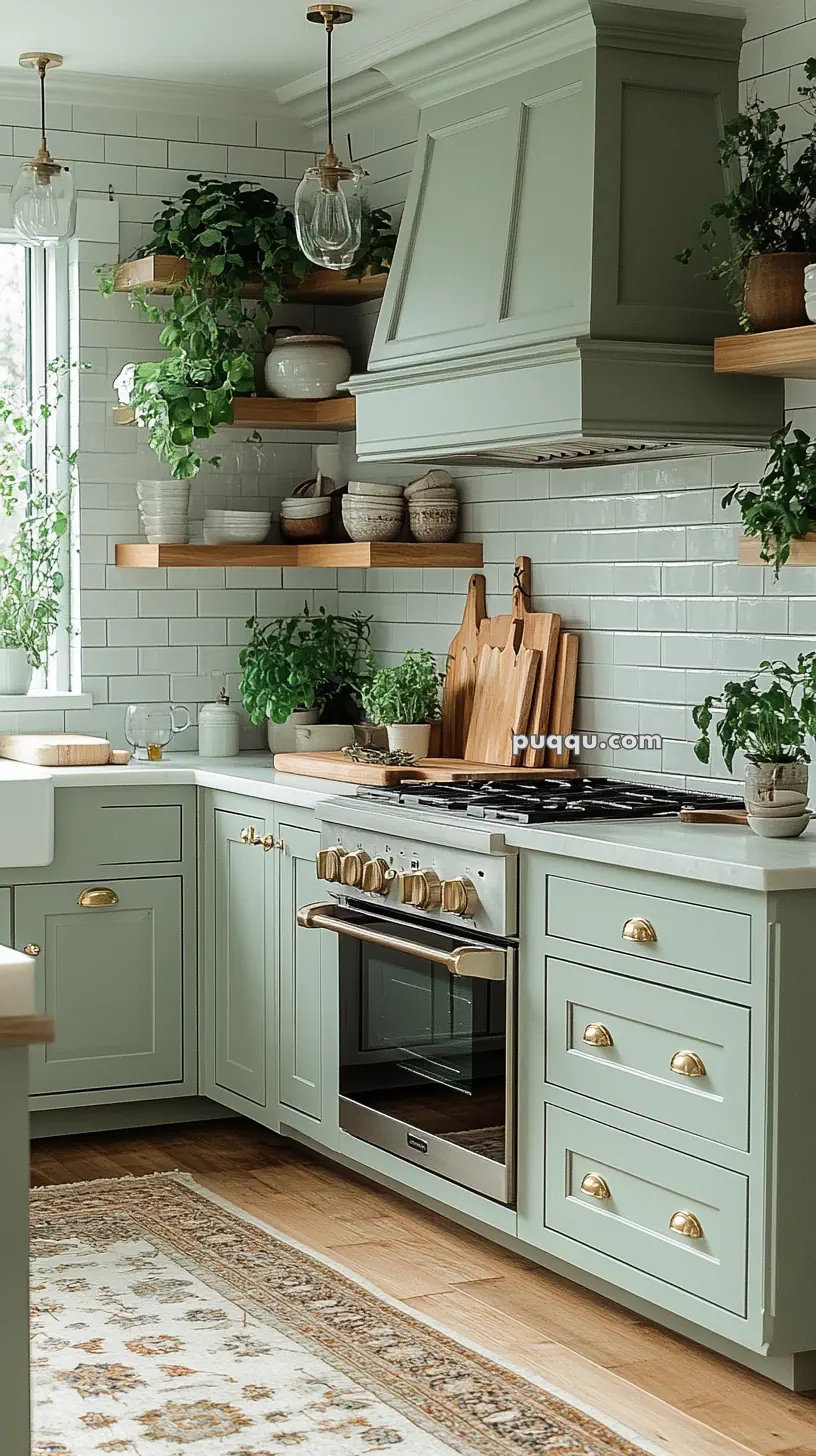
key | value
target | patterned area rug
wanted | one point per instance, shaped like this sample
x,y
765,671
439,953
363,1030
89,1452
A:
x,y
165,1319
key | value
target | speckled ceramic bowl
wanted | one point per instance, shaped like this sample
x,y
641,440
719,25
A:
x,y
434,522
367,518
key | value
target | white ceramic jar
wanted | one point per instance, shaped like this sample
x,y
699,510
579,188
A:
x,y
306,366
219,729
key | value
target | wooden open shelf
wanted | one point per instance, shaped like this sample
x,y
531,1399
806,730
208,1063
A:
x,y
802,552
324,553
782,353
161,272
265,412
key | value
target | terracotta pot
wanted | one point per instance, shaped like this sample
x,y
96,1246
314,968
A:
x,y
775,290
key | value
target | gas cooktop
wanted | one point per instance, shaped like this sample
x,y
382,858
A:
x,y
545,801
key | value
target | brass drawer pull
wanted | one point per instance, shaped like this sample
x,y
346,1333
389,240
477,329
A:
x,y
688,1064
96,897
598,1035
595,1186
32,949
248,836
687,1224
639,930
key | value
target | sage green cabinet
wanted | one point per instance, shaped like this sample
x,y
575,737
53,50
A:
x,y
302,1007
111,977
243,906
5,917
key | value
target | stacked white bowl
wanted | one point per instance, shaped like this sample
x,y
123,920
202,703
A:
x,y
164,507
248,527
305,517
373,512
433,507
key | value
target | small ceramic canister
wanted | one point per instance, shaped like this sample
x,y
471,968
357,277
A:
x,y
306,366
219,729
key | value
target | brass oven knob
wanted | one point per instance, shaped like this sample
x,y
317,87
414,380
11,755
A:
x,y
377,876
687,1064
329,863
598,1035
351,868
459,897
595,1186
687,1224
639,930
421,888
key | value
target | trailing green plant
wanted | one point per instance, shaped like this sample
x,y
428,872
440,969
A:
x,y
770,202
782,507
33,521
232,235
310,661
407,693
769,724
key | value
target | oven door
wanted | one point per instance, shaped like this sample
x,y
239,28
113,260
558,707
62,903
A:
x,y
427,1045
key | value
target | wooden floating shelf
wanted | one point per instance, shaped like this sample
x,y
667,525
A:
x,y
323,553
802,552
161,272
781,353
265,412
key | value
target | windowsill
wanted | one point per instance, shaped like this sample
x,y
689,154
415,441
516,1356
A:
x,y
42,702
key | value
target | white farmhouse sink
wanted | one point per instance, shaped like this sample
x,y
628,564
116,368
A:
x,y
26,816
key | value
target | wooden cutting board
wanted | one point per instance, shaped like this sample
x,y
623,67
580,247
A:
x,y
505,683
55,750
460,679
539,631
335,765
563,698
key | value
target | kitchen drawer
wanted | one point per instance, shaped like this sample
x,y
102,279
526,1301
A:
x,y
650,1027
645,1186
102,828
697,936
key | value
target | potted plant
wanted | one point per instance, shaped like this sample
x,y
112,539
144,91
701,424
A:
x,y
782,507
762,236
405,699
770,726
297,670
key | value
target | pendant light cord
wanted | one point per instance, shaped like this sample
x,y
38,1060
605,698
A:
x,y
329,30
42,68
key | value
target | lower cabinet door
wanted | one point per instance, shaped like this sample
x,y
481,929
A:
x,y
300,1024
109,973
5,917
244,898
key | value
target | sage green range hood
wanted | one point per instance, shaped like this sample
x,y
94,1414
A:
x,y
535,311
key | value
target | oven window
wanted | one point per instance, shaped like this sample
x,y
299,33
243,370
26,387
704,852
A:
x,y
425,1047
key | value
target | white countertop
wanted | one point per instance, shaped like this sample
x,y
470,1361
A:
x,y
249,773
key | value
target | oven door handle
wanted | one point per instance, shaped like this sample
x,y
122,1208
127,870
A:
x,y
482,963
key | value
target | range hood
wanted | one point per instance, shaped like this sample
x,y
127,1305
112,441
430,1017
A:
x,y
535,312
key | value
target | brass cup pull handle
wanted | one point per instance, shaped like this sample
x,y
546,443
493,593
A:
x,y
595,1186
97,897
597,1035
687,1224
249,836
639,930
32,949
687,1064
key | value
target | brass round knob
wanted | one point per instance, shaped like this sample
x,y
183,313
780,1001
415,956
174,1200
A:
x,y
32,949
687,1064
595,1186
377,876
329,862
687,1224
598,1035
639,930
459,897
351,868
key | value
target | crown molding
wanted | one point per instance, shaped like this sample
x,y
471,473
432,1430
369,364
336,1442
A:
x,y
143,94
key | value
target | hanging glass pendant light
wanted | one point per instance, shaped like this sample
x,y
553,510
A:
x,y
328,202
43,201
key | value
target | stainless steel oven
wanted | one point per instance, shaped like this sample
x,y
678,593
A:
x,y
427,1041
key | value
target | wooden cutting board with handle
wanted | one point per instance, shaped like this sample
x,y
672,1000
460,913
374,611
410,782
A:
x,y
333,764
460,679
563,698
59,750
540,631
505,684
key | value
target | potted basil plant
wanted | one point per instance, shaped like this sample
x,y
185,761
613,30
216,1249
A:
x,y
781,507
770,726
405,699
304,670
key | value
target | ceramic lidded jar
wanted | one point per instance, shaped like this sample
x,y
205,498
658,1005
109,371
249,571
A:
x,y
306,366
219,729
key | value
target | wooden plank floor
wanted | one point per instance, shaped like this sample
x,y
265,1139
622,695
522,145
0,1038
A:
x,y
689,1401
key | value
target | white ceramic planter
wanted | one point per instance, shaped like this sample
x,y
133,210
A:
x,y
412,738
306,366
322,737
281,736
776,785
16,671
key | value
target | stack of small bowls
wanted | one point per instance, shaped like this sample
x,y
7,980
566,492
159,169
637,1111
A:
x,y
305,518
373,512
247,527
164,507
433,507
776,797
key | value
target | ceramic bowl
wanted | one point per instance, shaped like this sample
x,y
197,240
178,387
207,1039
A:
x,y
372,520
432,480
777,811
167,535
214,536
436,522
372,488
788,827
293,506
304,528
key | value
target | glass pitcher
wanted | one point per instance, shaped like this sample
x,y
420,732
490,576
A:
x,y
149,728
